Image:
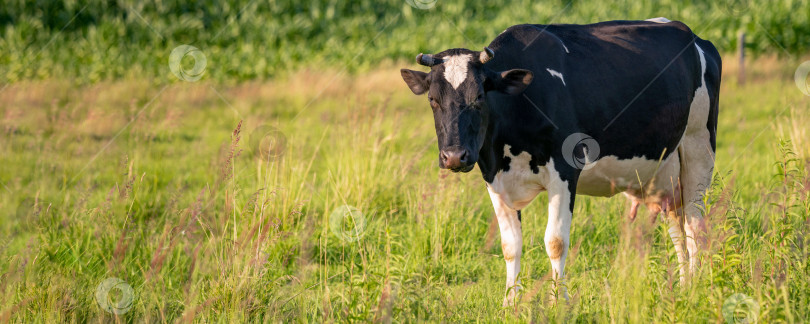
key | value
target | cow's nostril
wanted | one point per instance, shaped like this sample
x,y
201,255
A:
x,y
454,158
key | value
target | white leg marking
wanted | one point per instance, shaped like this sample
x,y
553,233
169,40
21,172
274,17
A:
x,y
455,69
511,191
676,234
695,229
556,75
559,225
511,244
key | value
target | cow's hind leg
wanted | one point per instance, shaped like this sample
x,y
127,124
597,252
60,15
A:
x,y
669,204
676,233
634,203
697,156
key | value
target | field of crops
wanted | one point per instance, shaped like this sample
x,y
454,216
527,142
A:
x,y
297,179
97,40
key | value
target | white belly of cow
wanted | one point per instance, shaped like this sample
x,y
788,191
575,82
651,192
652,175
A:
x,y
610,176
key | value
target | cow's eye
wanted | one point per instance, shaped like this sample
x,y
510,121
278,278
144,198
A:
x,y
480,97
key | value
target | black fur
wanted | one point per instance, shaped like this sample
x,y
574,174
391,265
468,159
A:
x,y
607,66
628,84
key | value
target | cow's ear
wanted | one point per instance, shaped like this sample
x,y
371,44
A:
x,y
416,80
512,82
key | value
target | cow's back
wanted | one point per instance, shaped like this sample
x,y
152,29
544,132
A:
x,y
627,84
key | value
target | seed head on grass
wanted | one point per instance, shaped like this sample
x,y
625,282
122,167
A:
x,y
233,152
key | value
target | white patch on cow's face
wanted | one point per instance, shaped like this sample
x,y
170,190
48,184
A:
x,y
455,69
556,75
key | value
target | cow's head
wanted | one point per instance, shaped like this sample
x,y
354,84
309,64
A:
x,y
457,86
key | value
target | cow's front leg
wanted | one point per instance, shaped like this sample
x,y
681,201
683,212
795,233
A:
x,y
560,208
511,244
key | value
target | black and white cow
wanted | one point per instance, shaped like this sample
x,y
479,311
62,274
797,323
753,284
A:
x,y
618,106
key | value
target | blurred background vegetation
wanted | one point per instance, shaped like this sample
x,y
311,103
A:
x,y
111,168
94,40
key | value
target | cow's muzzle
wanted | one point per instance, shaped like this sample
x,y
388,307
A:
x,y
456,158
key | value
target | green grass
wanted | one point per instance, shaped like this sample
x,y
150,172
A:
x,y
90,41
151,184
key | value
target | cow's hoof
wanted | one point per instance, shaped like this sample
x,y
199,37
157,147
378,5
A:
x,y
508,302
511,298
512,295
561,295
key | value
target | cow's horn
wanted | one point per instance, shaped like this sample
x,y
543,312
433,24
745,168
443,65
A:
x,y
486,55
425,59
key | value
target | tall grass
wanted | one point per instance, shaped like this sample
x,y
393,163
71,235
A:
x,y
186,210
94,40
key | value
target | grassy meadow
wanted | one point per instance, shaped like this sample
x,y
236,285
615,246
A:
x,y
296,189
167,189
